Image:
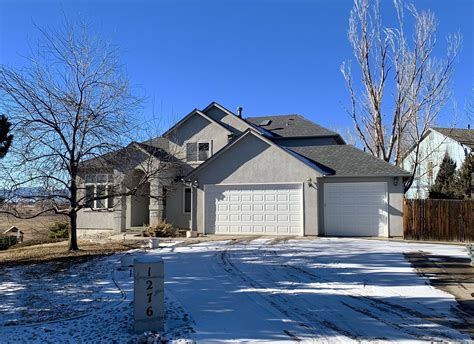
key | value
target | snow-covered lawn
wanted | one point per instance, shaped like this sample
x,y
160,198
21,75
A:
x,y
322,290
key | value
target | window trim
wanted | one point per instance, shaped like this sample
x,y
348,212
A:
x,y
184,200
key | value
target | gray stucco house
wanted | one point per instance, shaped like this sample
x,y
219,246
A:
x,y
275,175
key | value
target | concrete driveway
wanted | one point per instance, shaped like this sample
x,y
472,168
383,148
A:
x,y
245,290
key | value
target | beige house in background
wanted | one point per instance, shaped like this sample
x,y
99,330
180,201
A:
x,y
272,175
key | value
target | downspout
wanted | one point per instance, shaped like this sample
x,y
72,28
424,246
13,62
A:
x,y
191,220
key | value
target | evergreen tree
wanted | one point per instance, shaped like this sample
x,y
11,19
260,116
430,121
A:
x,y
5,137
445,183
464,178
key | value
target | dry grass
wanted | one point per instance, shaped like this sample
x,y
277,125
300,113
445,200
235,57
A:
x,y
58,251
35,229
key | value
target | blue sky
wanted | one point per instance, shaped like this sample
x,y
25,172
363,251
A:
x,y
271,57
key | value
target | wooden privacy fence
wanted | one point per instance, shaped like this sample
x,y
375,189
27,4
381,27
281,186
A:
x,y
443,220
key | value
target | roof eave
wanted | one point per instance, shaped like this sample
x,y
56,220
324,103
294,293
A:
x,y
390,175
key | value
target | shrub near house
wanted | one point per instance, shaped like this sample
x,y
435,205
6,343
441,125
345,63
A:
x,y
58,230
6,241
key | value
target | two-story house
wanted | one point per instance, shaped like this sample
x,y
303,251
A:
x,y
456,142
272,175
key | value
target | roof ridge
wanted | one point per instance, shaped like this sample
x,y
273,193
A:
x,y
448,128
291,114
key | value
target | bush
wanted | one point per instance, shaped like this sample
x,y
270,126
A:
x,y
160,229
58,230
6,241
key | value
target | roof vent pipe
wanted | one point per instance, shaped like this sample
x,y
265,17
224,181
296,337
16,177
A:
x,y
468,126
239,111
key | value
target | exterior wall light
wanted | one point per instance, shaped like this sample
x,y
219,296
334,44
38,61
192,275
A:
x,y
311,183
195,183
395,181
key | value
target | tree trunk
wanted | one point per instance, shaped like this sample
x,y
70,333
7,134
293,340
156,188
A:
x,y
73,212
73,231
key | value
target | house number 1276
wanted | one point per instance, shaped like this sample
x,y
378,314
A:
x,y
149,303
149,293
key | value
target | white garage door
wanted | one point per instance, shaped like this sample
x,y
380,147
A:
x,y
254,209
355,209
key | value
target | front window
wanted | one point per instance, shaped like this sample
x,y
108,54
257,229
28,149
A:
x,y
198,151
187,200
98,189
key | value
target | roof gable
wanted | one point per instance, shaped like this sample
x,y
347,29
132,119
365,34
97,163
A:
x,y
310,164
462,136
195,112
233,122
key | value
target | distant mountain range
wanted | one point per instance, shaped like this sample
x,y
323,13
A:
x,y
29,194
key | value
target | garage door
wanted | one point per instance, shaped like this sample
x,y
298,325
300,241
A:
x,y
254,209
355,209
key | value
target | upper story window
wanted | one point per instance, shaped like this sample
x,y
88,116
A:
x,y
98,189
198,151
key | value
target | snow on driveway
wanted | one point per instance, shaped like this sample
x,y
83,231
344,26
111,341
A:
x,y
322,290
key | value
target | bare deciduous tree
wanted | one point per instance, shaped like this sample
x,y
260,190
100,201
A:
x,y
403,85
73,104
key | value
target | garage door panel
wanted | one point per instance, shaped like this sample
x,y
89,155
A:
x,y
271,209
356,209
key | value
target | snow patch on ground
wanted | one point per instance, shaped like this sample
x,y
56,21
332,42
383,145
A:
x,y
322,290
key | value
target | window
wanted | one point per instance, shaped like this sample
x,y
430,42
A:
x,y
100,191
191,150
98,185
198,151
203,150
90,196
187,200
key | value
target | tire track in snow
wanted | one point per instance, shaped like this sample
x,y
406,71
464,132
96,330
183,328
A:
x,y
351,333
329,331
383,307
218,266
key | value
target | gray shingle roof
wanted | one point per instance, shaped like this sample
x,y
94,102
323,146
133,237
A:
x,y
290,126
126,155
348,161
464,136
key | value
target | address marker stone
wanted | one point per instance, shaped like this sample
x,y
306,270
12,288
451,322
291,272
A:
x,y
148,294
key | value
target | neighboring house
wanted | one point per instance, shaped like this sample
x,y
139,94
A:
x,y
456,142
275,175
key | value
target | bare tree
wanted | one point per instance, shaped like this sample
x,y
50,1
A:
x,y
5,137
404,87
470,108
72,107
